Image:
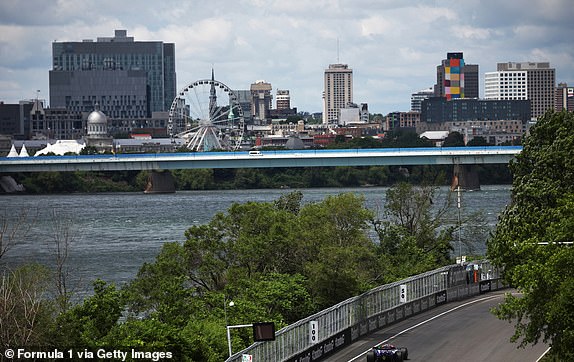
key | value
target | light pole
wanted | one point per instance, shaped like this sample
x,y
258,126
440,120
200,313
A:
x,y
225,304
459,225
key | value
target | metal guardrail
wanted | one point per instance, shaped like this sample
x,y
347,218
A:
x,y
342,324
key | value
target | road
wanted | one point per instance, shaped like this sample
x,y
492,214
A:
x,y
461,331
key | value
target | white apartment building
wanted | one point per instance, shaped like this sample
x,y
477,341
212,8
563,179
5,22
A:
x,y
531,81
338,91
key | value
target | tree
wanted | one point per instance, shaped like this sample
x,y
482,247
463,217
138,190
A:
x,y
413,236
63,234
335,252
478,141
25,312
528,243
405,138
87,324
454,139
13,229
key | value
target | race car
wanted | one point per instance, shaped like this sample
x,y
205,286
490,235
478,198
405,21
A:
x,y
387,352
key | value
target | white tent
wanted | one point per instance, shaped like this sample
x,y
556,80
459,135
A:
x,y
13,152
61,147
24,152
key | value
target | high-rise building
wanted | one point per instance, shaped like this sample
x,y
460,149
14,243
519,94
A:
x,y
283,99
338,91
564,98
418,97
244,98
261,99
532,81
456,79
127,78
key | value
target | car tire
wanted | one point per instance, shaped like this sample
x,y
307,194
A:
x,y
370,356
405,353
399,356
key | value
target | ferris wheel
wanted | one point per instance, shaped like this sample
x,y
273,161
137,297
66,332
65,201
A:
x,y
207,115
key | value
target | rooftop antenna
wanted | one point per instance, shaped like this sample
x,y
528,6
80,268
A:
x,y
337,50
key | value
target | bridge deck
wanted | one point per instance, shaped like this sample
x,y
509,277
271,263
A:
x,y
297,158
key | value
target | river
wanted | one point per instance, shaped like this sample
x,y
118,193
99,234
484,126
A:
x,y
113,234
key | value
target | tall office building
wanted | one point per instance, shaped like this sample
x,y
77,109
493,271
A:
x,y
261,99
127,78
456,79
338,91
564,98
532,81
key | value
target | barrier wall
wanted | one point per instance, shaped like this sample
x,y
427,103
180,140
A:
x,y
342,324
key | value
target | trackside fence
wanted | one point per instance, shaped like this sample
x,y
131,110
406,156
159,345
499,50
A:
x,y
322,334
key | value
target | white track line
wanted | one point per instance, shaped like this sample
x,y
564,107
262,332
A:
x,y
426,321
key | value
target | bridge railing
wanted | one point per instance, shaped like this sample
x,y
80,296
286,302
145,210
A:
x,y
344,323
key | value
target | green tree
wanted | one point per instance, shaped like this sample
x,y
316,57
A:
x,y
528,242
413,235
405,138
87,324
194,179
335,248
454,139
478,141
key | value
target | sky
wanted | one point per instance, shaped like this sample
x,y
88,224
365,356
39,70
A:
x,y
393,46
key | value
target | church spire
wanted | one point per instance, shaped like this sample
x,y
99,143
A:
x,y
212,95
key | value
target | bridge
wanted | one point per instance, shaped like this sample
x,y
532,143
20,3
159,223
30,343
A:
x,y
462,157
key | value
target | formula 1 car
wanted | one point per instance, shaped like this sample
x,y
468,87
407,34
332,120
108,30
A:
x,y
387,352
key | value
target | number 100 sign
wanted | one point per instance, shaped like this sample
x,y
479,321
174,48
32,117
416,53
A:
x,y
313,332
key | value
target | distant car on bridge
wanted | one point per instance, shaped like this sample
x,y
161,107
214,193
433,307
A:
x,y
387,352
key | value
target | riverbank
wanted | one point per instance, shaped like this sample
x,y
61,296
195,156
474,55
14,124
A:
x,y
264,178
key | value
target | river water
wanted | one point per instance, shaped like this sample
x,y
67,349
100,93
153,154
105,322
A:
x,y
112,235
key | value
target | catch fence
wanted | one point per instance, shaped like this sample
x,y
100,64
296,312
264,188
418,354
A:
x,y
322,334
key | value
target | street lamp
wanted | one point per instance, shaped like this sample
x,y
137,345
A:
x,y
459,225
225,305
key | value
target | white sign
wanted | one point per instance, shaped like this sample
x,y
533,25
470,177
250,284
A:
x,y
246,358
313,332
403,293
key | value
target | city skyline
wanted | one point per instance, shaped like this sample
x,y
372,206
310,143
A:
x,y
393,47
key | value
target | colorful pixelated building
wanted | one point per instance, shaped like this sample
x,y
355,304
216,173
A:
x,y
455,79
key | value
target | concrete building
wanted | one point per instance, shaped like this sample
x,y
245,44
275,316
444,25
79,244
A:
x,y
520,81
564,98
396,120
353,114
261,100
338,91
283,99
282,106
127,78
456,79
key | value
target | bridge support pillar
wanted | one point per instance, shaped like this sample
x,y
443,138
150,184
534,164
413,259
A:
x,y
160,182
465,176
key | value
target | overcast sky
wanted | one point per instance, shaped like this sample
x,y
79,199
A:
x,y
393,46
